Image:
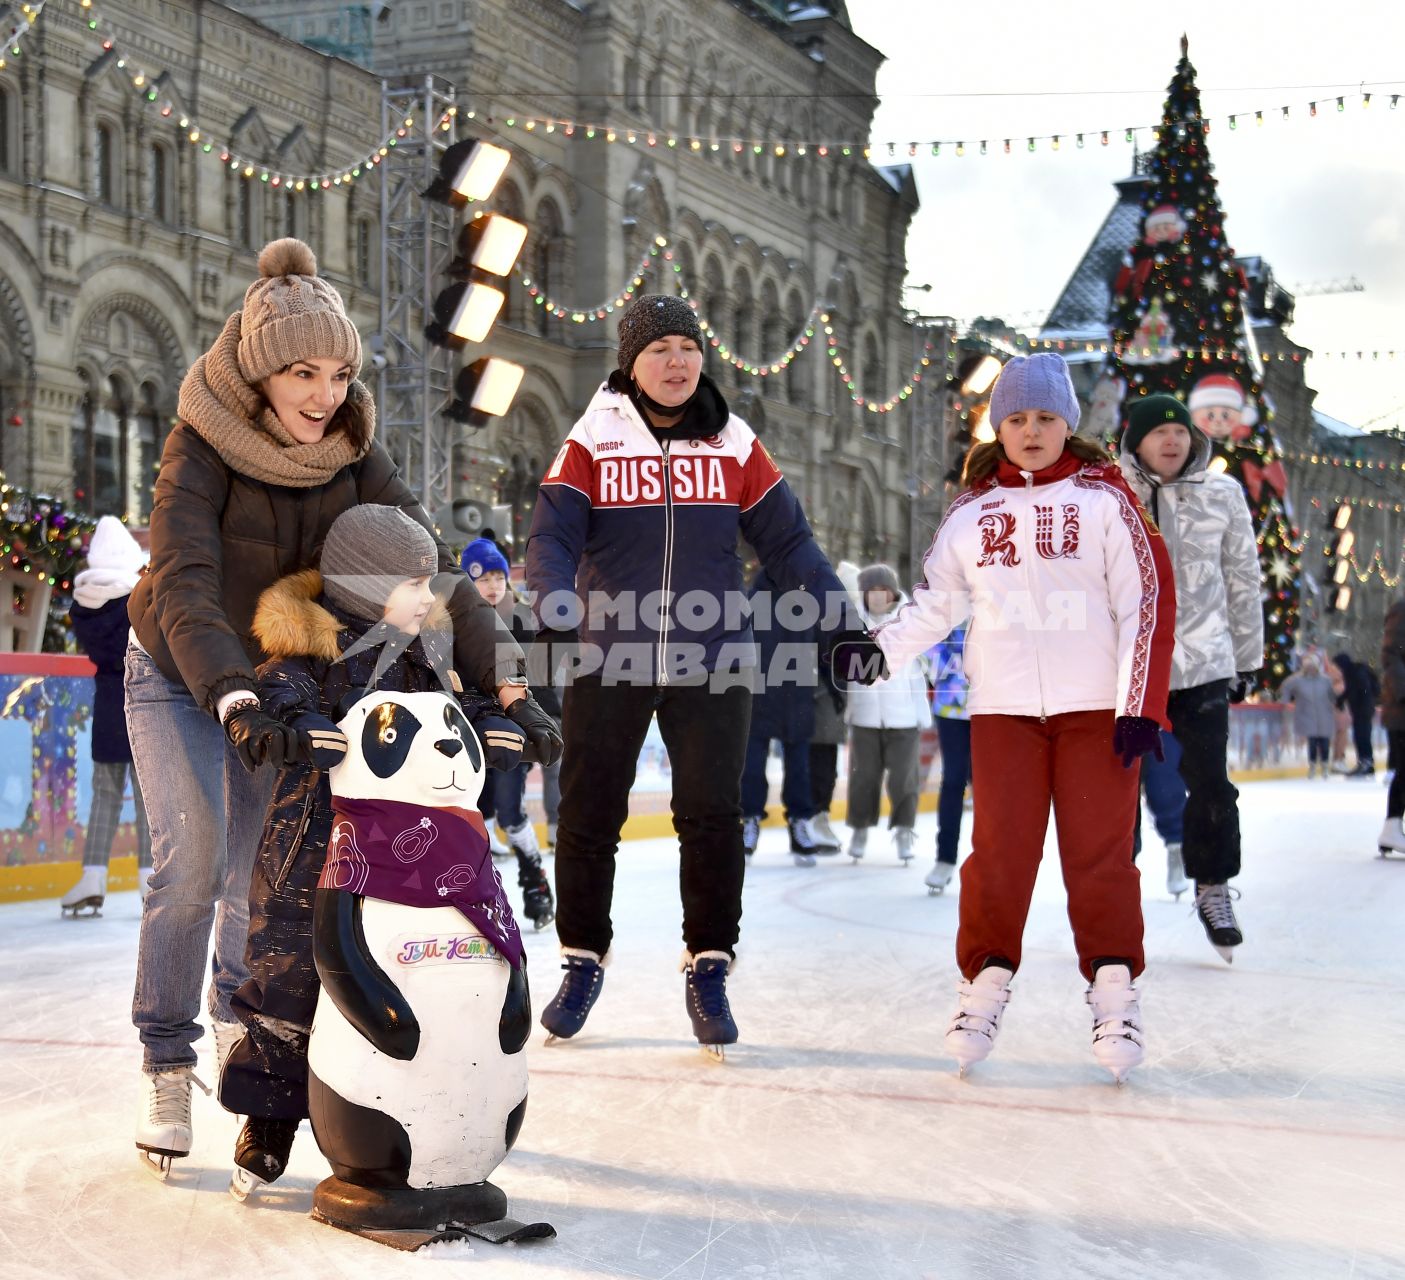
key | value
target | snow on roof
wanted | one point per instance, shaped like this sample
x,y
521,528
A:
x,y
1335,426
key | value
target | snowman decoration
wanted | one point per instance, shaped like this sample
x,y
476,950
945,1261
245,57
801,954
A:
x,y
417,1081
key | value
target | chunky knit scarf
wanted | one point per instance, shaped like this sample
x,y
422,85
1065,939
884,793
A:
x,y
236,421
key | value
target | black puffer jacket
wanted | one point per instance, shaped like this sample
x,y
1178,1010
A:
x,y
305,675
1393,671
220,538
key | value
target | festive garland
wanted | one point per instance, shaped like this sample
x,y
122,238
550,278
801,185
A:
x,y
1371,504
39,535
633,135
875,406
584,315
756,368
1266,357
27,17
1351,464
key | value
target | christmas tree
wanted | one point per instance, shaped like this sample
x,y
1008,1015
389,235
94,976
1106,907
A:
x,y
1178,326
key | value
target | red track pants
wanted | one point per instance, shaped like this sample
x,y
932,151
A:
x,y
1019,765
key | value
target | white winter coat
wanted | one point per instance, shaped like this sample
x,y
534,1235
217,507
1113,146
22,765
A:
x,y
1068,589
900,701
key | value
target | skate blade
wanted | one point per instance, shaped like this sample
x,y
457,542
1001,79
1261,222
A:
x,y
714,1052
158,1163
934,892
539,925
803,859
88,907
1225,953
244,1184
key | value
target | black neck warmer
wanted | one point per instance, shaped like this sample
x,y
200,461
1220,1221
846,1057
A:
x,y
703,414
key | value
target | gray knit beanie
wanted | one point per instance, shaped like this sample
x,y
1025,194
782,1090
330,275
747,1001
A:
x,y
879,577
291,314
1034,382
370,550
653,316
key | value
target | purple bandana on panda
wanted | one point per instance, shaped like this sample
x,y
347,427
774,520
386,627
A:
x,y
420,857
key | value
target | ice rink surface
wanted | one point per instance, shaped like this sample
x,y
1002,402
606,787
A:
x,y
1264,1137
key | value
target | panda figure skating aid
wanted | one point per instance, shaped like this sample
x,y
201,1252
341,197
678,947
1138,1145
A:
x,y
417,1080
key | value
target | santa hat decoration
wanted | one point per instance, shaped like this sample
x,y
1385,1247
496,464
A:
x,y
1164,215
1218,391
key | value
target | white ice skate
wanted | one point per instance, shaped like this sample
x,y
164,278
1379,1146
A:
x,y
858,843
1117,1020
903,840
823,832
144,881
1392,837
87,895
496,845
163,1127
939,877
971,1035
1176,883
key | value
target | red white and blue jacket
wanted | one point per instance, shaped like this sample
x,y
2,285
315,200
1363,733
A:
x,y
642,538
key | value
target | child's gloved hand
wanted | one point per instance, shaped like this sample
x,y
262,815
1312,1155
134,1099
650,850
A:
x,y
503,742
1134,737
320,743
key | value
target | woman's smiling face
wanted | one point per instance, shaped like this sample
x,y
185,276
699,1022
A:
x,y
306,396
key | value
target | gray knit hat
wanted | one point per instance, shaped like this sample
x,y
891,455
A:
x,y
370,550
653,316
1034,382
291,314
879,577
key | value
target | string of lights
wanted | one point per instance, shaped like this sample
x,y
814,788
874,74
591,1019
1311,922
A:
x,y
1348,464
1266,357
636,135
20,24
757,368
586,315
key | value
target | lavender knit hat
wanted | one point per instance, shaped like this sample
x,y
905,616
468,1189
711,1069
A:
x,y
1035,382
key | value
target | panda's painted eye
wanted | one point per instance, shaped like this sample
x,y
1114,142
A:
x,y
388,735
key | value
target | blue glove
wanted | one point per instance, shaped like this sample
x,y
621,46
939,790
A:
x,y
1134,737
321,744
503,741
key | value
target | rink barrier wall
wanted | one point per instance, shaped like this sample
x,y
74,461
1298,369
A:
x,y
45,776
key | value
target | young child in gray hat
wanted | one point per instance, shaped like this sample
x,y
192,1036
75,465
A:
x,y
369,619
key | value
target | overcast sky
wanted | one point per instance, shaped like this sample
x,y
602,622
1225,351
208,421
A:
x,y
1320,199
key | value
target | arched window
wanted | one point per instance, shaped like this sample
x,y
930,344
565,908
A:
x,y
161,185
9,133
631,83
106,162
744,329
293,215
547,266
248,222
797,372
872,369
657,112
149,442
112,440
81,434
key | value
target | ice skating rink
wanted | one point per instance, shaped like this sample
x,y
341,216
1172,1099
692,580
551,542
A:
x,y
1264,1137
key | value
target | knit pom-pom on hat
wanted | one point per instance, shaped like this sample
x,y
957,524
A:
x,y
291,313
287,257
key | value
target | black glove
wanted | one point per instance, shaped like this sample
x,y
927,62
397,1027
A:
x,y
1239,687
855,658
503,742
548,651
257,738
543,737
1134,737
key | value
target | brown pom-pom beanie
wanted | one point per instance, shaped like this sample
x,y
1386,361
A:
x,y
291,313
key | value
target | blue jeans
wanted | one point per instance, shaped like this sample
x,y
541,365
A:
x,y
501,798
795,780
1165,791
206,814
955,737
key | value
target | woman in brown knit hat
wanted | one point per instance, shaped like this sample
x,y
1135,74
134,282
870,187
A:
x,y
275,441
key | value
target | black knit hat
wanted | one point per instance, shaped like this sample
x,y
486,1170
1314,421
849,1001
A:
x,y
370,550
1149,412
653,316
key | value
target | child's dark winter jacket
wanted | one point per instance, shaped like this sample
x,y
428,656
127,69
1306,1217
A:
x,y
306,682
102,634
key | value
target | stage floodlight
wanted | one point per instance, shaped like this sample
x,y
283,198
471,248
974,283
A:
x,y
485,389
491,244
977,374
464,313
468,170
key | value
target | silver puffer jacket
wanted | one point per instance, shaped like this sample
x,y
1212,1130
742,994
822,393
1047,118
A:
x,y
1204,518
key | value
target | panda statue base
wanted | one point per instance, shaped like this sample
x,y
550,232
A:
x,y
408,1219
417,1073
